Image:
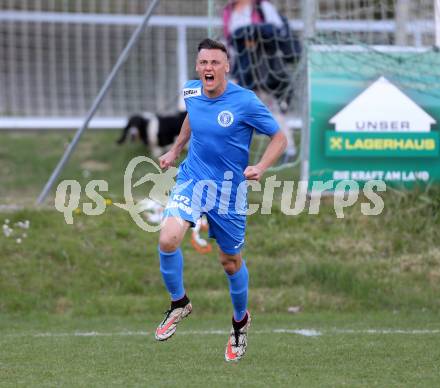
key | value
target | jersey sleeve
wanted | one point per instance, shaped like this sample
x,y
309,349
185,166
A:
x,y
259,117
191,88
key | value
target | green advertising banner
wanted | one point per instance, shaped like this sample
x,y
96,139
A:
x,y
374,114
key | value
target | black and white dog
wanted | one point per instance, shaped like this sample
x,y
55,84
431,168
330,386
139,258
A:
x,y
156,132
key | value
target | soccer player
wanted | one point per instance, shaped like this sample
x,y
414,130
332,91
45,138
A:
x,y
212,180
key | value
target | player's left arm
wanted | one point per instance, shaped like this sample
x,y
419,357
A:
x,y
274,150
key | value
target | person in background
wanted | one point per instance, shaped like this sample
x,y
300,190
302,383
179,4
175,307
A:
x,y
249,25
254,31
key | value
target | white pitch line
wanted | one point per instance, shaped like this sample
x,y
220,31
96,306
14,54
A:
x,y
386,331
92,334
302,332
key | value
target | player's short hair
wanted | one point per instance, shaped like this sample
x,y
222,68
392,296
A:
x,y
211,44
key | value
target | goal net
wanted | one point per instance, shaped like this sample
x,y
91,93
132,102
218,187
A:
x,y
335,24
392,25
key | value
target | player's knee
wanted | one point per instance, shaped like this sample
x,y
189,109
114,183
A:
x,y
231,264
171,235
230,267
168,242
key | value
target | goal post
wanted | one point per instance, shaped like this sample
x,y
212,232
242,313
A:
x,y
437,22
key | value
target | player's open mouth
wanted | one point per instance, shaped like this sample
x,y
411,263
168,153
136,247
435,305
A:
x,y
209,78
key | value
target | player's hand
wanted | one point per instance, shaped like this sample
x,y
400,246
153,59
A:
x,y
253,173
167,160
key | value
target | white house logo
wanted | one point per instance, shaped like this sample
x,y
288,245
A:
x,y
225,118
382,122
192,92
382,107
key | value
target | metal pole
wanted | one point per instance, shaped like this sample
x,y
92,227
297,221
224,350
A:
x,y
210,17
309,18
182,56
122,58
402,13
437,22
309,11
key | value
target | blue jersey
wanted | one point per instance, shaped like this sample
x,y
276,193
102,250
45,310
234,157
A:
x,y
221,131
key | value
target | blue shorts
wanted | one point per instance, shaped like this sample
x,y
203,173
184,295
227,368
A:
x,y
189,204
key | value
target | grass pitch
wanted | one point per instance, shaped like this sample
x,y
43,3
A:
x,y
79,303
121,351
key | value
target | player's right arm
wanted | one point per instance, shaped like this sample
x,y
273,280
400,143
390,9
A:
x,y
168,159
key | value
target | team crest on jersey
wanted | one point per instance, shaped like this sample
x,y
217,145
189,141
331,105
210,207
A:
x,y
192,92
225,118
